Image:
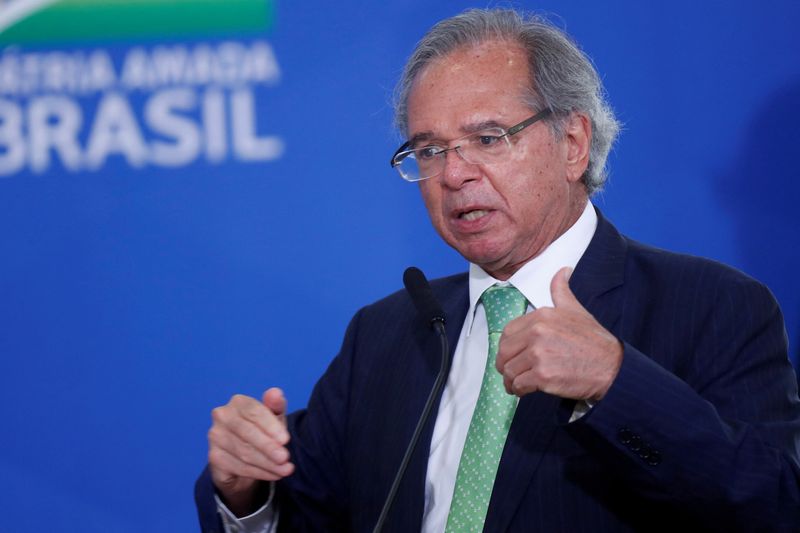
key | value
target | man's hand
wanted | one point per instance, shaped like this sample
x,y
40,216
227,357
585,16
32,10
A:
x,y
560,350
246,445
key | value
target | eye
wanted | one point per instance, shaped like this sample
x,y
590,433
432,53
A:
x,y
488,140
427,153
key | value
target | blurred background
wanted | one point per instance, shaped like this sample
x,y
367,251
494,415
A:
x,y
195,197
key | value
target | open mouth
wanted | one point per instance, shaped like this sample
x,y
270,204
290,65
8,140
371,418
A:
x,y
473,215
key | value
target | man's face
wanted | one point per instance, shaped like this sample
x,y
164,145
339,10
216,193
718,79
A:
x,y
497,216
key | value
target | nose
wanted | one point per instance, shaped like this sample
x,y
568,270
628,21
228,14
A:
x,y
457,172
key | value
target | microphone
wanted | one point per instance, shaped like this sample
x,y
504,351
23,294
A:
x,y
431,312
421,294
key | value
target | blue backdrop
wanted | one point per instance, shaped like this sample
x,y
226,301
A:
x,y
199,227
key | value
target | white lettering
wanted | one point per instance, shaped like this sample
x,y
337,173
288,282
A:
x,y
58,71
246,143
198,69
169,65
160,114
12,143
134,70
115,130
228,63
101,74
54,123
9,72
227,67
260,64
170,128
214,125
31,68
81,72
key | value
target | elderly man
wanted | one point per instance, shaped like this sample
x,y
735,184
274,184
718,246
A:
x,y
644,391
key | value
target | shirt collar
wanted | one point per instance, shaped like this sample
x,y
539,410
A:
x,y
533,279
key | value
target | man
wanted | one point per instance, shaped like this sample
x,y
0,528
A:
x,y
643,391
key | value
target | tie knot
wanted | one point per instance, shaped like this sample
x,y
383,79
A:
x,y
502,304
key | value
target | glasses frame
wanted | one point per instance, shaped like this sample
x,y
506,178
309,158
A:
x,y
404,151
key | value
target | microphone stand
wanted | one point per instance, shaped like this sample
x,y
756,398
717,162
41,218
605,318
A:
x,y
437,322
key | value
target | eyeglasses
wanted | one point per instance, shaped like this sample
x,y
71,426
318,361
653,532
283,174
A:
x,y
484,147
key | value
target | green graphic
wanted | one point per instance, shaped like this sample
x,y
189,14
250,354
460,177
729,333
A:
x,y
59,21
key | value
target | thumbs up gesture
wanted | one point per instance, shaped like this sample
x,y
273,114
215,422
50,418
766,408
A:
x,y
561,350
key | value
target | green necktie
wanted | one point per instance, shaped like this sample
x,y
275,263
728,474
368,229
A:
x,y
491,419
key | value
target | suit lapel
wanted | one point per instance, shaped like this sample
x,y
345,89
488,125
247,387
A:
x,y
409,504
600,270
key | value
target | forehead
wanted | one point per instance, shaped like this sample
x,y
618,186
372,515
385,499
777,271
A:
x,y
470,85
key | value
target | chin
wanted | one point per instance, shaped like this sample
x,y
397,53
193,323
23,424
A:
x,y
486,259
479,249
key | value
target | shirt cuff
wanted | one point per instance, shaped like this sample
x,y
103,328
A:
x,y
264,520
581,408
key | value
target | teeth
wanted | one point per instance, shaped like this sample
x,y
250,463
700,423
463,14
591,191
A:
x,y
474,215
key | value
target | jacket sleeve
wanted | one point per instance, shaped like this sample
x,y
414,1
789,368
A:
x,y
314,498
719,432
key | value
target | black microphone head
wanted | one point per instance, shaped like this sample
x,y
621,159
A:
x,y
421,294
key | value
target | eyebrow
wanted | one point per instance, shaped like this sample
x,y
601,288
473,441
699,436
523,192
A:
x,y
478,126
467,129
420,137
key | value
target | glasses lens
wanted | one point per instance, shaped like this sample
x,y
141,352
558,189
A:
x,y
412,168
484,147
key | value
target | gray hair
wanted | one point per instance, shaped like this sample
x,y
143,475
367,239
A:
x,y
563,77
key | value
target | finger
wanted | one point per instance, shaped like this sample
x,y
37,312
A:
x,y
507,384
247,441
226,464
276,402
506,352
515,366
524,383
241,460
249,421
518,336
256,412
520,385
559,289
518,324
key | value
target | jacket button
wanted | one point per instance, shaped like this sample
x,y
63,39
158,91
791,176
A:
x,y
654,459
635,443
625,435
645,452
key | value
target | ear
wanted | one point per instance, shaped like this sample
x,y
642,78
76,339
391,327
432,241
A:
x,y
578,135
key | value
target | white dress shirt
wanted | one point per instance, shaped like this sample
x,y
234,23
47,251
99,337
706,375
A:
x,y
466,374
469,361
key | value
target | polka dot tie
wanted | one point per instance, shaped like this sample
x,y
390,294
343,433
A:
x,y
491,419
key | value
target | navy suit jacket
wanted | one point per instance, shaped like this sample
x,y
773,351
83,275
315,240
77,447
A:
x,y
700,429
